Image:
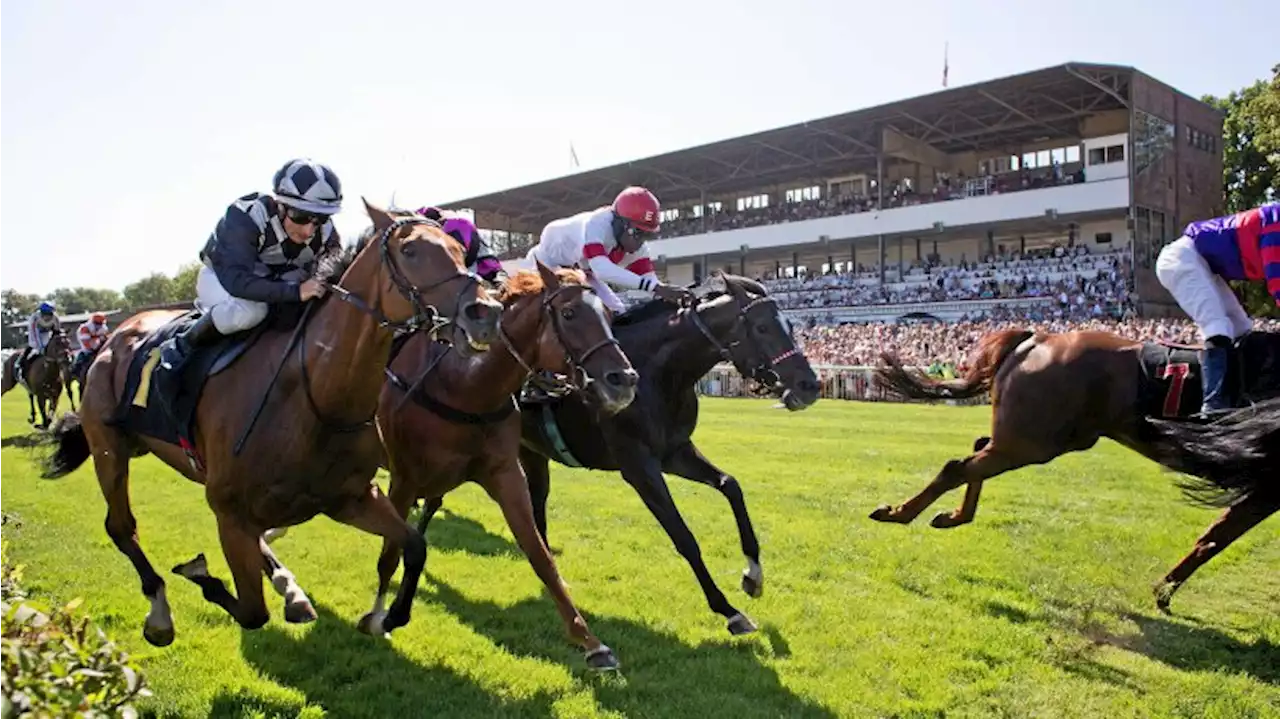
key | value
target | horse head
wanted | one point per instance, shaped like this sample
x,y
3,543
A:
x,y
58,350
414,276
573,334
751,332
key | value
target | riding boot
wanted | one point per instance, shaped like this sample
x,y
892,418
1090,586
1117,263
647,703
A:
x,y
175,352
1214,363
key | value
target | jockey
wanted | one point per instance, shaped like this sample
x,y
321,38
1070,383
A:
x,y
41,326
262,253
1195,267
609,243
91,335
479,258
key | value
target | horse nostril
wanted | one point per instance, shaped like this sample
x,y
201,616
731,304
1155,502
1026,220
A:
x,y
475,311
624,378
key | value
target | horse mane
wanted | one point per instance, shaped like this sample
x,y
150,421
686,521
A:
x,y
526,283
655,307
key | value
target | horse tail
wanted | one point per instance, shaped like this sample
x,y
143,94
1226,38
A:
x,y
1227,460
992,351
72,447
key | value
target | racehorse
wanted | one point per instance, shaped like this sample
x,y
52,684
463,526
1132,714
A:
x,y
1058,393
461,423
43,378
672,348
316,450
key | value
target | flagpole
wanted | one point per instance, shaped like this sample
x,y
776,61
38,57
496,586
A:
x,y
946,47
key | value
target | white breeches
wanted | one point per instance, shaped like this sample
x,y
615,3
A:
x,y
556,260
230,314
1201,293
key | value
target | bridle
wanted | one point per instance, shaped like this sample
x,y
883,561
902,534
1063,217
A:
x,y
762,369
580,379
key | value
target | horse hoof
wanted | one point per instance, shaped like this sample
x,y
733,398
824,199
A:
x,y
371,624
299,612
158,636
1164,597
741,624
752,586
602,659
944,520
883,513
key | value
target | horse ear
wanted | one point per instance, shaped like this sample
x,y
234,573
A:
x,y
550,279
714,284
381,218
736,289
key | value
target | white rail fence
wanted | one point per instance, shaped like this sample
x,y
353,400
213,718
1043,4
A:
x,y
838,382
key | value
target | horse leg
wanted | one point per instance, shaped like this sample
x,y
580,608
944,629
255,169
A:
x,y
686,461
274,533
297,607
1239,518
509,489
31,397
972,470
243,552
401,495
375,514
644,474
537,472
429,509
111,464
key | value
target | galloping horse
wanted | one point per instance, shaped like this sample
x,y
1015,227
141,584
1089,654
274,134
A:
x,y
317,449
1058,393
672,348
461,423
44,377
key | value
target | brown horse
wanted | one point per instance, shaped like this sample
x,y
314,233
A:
x,y
1058,393
462,423
317,449
44,377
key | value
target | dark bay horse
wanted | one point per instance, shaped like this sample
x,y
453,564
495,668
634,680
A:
x,y
317,449
44,377
672,347
461,424
1058,393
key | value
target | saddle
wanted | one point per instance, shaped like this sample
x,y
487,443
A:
x,y
1171,384
145,410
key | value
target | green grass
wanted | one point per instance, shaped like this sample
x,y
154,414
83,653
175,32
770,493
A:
x,y
1041,608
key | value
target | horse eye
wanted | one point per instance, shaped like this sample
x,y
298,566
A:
x,y
567,313
408,249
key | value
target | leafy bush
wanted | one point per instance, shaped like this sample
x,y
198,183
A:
x,y
59,664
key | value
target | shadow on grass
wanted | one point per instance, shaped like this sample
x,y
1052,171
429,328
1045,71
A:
x,y
1204,648
351,674
31,440
452,532
661,676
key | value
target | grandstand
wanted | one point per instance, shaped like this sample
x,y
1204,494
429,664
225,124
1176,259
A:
x,y
1051,190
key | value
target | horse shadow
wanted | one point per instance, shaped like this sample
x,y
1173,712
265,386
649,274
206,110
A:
x,y
452,532
31,440
350,674
1204,648
661,676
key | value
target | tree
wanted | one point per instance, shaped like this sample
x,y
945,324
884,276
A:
x,y
75,300
154,289
184,283
1251,163
16,308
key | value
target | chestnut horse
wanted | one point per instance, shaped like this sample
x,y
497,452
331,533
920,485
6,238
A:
x,y
1052,394
317,450
461,424
44,378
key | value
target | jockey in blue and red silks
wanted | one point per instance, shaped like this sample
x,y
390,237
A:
x,y
1195,268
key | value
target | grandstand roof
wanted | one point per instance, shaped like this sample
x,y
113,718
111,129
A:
x,y
1032,107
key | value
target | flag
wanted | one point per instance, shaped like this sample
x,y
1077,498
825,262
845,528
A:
x,y
573,156
945,47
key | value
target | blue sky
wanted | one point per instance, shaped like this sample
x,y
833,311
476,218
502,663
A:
x,y
127,127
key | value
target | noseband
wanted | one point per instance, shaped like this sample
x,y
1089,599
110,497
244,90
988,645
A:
x,y
580,379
